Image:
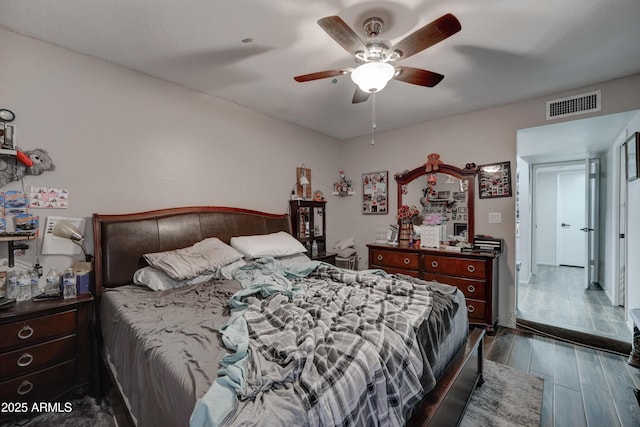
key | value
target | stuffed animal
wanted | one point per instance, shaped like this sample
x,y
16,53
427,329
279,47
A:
x,y
16,169
433,162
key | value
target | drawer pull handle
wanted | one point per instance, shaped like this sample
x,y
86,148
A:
x,y
471,268
379,257
434,264
25,332
471,289
25,360
471,308
24,388
406,261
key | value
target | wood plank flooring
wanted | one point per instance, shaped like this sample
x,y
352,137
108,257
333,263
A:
x,y
583,386
557,296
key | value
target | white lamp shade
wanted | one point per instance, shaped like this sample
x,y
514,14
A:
x,y
373,76
66,230
303,180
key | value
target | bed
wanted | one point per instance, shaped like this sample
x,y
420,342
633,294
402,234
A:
x,y
172,356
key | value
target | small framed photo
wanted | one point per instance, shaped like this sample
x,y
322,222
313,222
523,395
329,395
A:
x,y
632,155
494,180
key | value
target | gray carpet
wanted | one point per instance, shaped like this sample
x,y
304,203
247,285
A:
x,y
507,398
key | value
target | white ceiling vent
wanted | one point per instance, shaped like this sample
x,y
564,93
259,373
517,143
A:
x,y
574,105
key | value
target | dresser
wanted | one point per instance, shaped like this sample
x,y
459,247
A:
x,y
474,273
44,350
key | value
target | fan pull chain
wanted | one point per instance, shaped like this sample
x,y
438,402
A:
x,y
373,118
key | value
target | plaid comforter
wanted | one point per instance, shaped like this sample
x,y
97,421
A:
x,y
341,351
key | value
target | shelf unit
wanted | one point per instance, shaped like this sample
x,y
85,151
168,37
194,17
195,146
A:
x,y
308,223
11,239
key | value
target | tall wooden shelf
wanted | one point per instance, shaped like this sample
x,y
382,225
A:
x,y
308,223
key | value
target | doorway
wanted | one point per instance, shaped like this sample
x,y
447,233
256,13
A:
x,y
557,284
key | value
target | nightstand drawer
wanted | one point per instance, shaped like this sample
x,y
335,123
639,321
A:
x,y
37,385
455,266
24,360
474,289
401,260
38,329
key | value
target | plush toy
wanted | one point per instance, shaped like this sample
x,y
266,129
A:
x,y
33,162
433,162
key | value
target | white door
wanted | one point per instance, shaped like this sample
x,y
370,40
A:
x,y
571,218
590,229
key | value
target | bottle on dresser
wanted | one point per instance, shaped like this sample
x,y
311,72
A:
x,y
24,286
69,284
52,283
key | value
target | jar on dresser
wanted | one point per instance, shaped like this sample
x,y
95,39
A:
x,y
474,273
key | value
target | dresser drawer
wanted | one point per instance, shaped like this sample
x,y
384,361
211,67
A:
x,y
40,384
37,329
452,266
476,311
474,289
403,261
25,360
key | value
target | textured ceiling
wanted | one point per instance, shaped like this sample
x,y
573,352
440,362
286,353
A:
x,y
508,50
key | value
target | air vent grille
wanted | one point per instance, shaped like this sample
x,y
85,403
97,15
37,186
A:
x,y
574,105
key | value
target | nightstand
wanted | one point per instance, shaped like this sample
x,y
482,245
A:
x,y
328,257
44,350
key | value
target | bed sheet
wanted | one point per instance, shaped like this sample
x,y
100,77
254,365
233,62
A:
x,y
165,346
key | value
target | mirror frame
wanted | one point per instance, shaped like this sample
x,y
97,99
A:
x,y
467,174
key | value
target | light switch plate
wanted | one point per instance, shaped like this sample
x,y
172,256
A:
x,y
495,217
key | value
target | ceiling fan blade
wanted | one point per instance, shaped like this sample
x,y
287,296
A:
x,y
359,96
432,33
417,76
322,75
342,34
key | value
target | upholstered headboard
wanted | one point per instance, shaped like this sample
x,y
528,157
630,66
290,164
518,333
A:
x,y
121,240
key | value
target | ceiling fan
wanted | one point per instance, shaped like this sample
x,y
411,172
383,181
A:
x,y
376,56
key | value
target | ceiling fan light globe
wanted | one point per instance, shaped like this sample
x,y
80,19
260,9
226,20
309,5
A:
x,y
373,76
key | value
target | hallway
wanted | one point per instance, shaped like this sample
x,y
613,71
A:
x,y
556,296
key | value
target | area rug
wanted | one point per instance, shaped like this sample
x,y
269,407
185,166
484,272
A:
x,y
507,398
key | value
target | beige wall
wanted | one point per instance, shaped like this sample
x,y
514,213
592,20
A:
x,y
124,142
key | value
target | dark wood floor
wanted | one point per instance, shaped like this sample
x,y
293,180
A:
x,y
557,296
582,386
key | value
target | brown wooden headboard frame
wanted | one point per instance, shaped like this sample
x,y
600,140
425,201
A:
x,y
120,240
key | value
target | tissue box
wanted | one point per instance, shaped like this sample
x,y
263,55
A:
x,y
84,282
430,236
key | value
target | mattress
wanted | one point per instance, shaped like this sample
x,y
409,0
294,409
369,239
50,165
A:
x,y
164,347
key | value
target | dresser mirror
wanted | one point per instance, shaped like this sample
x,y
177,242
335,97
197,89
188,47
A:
x,y
445,196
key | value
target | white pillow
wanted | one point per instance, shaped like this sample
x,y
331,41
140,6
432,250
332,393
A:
x,y
159,281
154,279
187,263
274,244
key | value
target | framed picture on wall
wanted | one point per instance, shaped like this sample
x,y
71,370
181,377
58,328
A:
x,y
494,180
632,154
374,192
